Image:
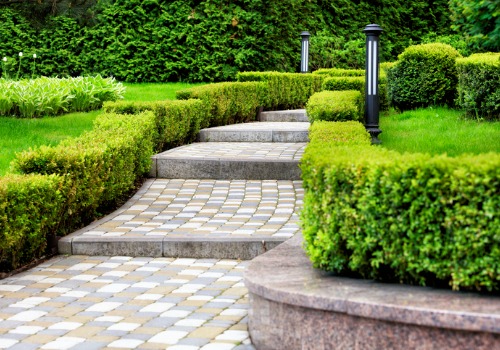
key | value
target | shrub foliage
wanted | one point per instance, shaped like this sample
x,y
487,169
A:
x,y
335,106
479,85
408,218
425,75
285,90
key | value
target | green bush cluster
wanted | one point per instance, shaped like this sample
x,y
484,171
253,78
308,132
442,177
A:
x,y
409,218
52,96
209,40
479,85
425,75
29,207
285,90
335,106
228,103
177,122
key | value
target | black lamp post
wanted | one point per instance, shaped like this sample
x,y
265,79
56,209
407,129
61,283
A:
x,y
372,32
304,57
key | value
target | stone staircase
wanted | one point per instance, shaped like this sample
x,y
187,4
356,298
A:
x,y
233,195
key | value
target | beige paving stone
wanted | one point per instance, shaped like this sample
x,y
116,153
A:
x,y
228,318
67,311
103,338
52,304
153,346
85,332
40,339
206,332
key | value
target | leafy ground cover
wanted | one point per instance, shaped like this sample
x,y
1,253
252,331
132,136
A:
x,y
437,131
20,134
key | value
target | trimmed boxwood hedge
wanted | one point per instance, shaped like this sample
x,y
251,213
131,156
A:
x,y
177,122
228,103
335,106
479,85
30,207
409,218
285,90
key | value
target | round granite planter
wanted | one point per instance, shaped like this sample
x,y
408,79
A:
x,y
293,306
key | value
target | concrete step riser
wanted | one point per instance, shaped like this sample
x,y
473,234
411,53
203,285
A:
x,y
208,135
243,249
225,169
298,115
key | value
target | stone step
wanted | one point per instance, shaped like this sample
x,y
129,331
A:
x,y
257,132
223,219
230,160
291,115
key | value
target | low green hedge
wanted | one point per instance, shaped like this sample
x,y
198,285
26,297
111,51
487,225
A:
x,y
339,72
100,166
52,96
479,85
228,103
177,122
285,90
409,218
335,106
30,207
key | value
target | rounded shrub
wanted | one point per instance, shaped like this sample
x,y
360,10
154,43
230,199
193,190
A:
x,y
479,85
425,75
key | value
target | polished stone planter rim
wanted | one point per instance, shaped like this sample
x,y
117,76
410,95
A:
x,y
285,275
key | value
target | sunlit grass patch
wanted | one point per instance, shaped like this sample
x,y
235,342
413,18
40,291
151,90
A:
x,y
438,131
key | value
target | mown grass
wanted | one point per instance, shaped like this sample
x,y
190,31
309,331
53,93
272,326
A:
x,y
438,131
17,135
153,91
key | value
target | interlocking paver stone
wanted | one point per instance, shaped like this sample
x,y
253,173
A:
x,y
123,311
207,211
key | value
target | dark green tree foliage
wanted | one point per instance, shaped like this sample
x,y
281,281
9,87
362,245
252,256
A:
x,y
479,20
211,40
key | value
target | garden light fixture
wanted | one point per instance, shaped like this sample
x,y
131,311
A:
x,y
304,57
372,102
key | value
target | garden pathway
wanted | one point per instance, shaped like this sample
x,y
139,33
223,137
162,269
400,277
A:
x,y
166,269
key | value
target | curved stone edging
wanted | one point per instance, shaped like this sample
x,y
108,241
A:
x,y
293,306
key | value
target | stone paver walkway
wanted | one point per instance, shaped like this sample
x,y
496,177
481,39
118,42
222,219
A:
x,y
81,302
210,208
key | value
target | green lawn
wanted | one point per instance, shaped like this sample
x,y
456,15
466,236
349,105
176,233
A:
x,y
153,91
438,131
17,135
